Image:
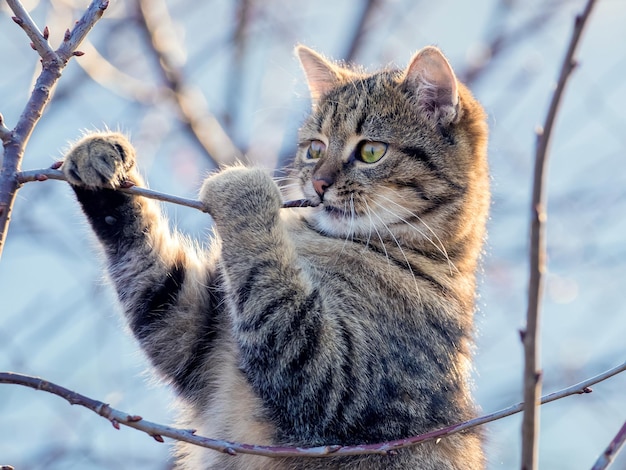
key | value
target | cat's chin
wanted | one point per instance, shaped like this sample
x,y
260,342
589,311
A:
x,y
336,222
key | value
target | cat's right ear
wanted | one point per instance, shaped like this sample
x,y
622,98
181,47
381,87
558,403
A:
x,y
321,75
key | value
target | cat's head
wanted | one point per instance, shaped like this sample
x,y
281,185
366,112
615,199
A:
x,y
396,154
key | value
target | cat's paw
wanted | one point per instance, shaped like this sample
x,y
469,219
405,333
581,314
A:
x,y
100,160
241,192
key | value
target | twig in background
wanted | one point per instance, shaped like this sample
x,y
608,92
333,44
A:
x,y
530,335
157,431
53,62
362,22
612,450
507,36
203,127
39,39
244,12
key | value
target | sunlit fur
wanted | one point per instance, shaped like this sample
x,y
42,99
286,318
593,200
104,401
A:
x,y
345,323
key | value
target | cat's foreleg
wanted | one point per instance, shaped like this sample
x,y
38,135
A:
x,y
289,347
166,286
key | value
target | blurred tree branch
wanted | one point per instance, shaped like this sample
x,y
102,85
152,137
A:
x,y
204,128
530,335
362,22
505,37
53,63
612,450
157,431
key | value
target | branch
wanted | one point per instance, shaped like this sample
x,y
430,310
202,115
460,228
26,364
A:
x,y
15,140
532,372
5,132
157,431
54,174
360,29
612,450
201,124
39,39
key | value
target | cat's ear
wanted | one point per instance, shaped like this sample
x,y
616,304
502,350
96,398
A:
x,y
431,79
321,74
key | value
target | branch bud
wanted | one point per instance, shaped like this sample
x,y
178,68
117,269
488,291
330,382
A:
x,y
78,53
68,35
46,33
18,20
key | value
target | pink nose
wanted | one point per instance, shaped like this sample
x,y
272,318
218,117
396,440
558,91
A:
x,y
321,185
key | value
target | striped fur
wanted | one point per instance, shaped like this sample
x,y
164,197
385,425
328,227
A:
x,y
349,322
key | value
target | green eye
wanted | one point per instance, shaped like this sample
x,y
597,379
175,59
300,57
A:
x,y
316,149
371,152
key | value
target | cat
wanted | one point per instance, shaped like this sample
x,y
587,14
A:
x,y
345,323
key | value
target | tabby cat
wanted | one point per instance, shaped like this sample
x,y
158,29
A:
x,y
345,323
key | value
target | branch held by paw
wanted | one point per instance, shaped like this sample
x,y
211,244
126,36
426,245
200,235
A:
x,y
158,431
55,174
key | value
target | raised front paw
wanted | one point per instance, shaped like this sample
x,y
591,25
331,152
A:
x,y
100,160
240,192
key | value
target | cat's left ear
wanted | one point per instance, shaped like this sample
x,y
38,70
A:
x,y
431,79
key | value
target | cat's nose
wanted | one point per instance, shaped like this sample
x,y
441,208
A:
x,y
321,184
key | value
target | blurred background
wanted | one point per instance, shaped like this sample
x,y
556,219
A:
x,y
200,83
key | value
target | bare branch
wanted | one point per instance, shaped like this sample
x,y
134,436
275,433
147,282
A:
x,y
39,42
157,431
15,141
5,132
360,28
201,124
612,450
530,336
103,72
54,174
82,27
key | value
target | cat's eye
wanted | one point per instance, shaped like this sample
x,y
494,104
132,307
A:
x,y
316,149
371,152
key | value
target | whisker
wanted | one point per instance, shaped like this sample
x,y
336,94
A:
x,y
440,246
373,225
349,232
401,251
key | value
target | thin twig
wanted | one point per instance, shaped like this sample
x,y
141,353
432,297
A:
x,y
530,336
39,42
158,430
612,450
15,141
53,174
